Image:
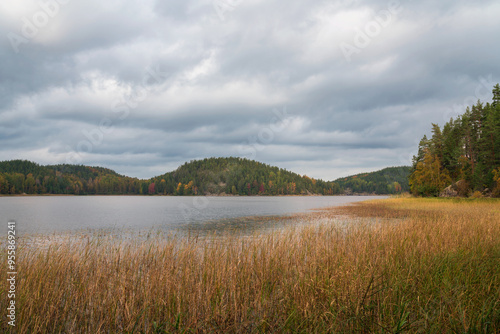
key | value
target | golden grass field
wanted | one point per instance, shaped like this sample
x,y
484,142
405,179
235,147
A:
x,y
413,266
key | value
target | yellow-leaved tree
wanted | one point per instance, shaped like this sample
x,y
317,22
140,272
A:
x,y
496,178
429,178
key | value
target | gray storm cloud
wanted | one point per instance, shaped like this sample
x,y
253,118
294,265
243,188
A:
x,y
325,89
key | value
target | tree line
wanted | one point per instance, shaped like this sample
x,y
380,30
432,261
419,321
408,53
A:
x,y
21,176
463,157
391,180
238,176
211,176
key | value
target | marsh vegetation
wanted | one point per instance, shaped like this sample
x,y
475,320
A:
x,y
404,265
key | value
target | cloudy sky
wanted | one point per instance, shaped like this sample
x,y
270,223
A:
x,y
323,88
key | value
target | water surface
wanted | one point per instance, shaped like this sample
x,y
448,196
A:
x,y
49,214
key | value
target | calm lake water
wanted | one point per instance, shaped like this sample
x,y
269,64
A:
x,y
46,215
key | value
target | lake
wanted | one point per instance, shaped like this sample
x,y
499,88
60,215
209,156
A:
x,y
49,214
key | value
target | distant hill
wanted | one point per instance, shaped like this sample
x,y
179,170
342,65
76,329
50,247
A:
x,y
22,176
211,176
238,176
389,180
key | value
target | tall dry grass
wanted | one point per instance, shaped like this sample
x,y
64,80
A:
x,y
434,270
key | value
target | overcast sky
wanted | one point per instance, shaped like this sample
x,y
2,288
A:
x,y
323,88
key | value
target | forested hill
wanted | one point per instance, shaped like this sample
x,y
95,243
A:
x,y
216,176
21,176
389,180
238,176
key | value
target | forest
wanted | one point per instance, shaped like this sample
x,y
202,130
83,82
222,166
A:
x,y
463,157
211,176
238,176
391,180
26,177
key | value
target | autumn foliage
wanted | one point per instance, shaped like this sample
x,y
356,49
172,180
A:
x,y
464,154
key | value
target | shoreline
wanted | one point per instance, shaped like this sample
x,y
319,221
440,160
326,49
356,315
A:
x,y
209,195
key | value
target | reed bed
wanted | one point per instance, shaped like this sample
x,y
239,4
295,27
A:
x,y
434,269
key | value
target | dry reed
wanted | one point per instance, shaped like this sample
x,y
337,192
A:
x,y
434,269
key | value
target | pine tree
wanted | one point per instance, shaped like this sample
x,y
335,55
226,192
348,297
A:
x,y
468,150
423,145
496,96
452,146
436,142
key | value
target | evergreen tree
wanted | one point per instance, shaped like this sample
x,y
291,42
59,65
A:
x,y
468,150
496,96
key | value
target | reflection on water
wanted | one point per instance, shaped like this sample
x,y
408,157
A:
x,y
133,217
224,230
